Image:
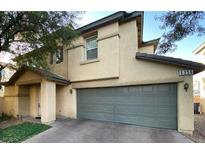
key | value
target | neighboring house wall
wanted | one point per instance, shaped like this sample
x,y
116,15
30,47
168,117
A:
x,y
200,77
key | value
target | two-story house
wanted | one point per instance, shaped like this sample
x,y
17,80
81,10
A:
x,y
110,74
199,82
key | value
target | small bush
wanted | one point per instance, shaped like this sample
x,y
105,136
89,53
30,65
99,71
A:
x,y
4,117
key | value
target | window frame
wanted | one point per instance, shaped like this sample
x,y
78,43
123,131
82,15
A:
x,y
86,57
61,56
54,58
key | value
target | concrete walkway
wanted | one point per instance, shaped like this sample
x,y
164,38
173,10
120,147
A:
x,y
90,131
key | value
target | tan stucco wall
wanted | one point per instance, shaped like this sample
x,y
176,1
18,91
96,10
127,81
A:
x,y
10,105
34,94
48,101
147,49
16,100
1,104
17,97
23,94
29,77
66,102
24,105
185,106
117,61
108,58
131,71
21,100
61,68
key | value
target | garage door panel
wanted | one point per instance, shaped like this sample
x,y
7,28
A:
x,y
149,121
153,105
96,108
134,110
96,116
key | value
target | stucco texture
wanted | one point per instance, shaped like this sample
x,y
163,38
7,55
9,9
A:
x,y
66,101
48,101
1,104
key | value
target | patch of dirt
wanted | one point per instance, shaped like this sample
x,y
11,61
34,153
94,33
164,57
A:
x,y
10,122
199,129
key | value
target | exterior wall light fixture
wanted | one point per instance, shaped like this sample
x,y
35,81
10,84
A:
x,y
71,91
186,86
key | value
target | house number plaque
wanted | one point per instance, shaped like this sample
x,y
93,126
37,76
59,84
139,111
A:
x,y
186,72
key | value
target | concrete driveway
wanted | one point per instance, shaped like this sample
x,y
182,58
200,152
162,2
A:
x,y
90,131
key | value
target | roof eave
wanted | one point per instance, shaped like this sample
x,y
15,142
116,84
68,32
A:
x,y
197,67
121,16
49,76
199,49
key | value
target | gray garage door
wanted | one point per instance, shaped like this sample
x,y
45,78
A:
x,y
152,105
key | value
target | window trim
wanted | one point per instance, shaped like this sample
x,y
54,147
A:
x,y
54,59
60,60
86,58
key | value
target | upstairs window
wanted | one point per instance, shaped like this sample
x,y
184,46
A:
x,y
57,57
91,48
